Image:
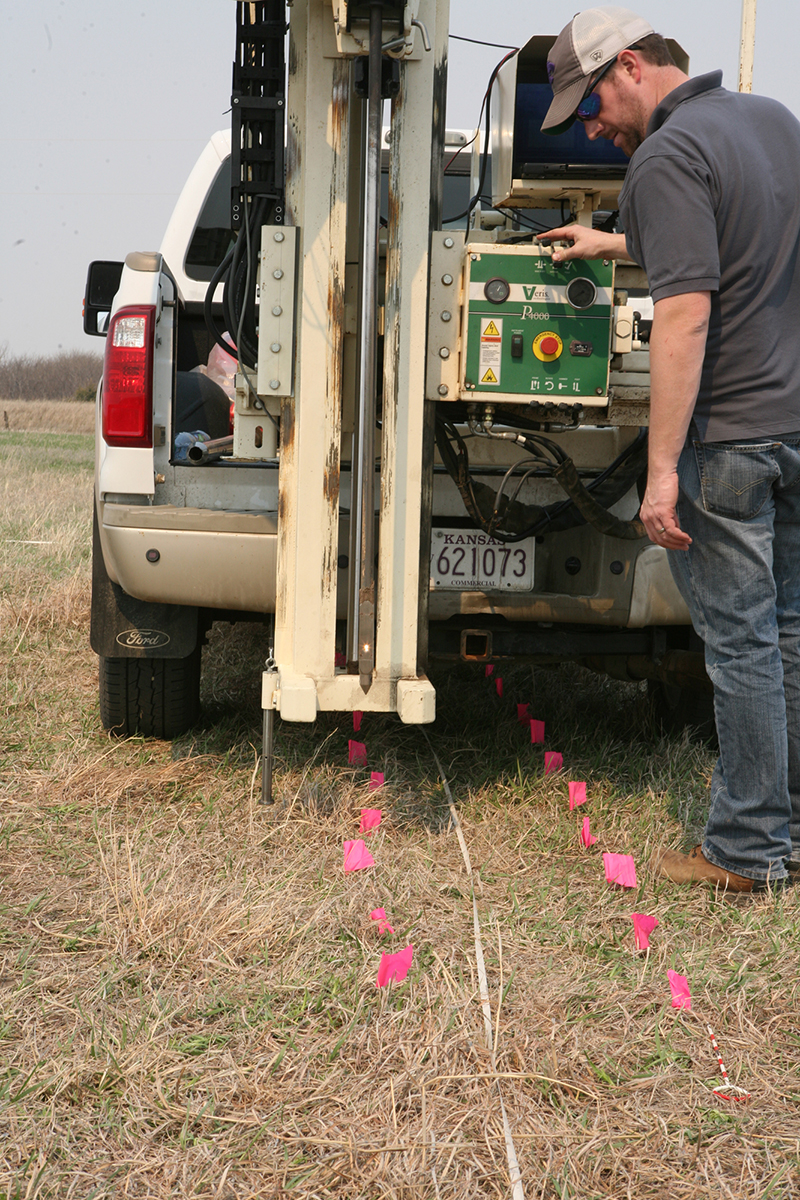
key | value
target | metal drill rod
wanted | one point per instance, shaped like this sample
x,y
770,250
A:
x,y
268,724
266,756
361,606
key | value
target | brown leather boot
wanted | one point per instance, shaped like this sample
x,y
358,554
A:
x,y
694,867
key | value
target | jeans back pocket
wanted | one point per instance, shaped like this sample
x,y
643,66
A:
x,y
736,480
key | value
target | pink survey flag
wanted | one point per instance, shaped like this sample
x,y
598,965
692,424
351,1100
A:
x,y
376,781
679,986
577,795
370,819
357,715
379,915
643,926
553,761
620,869
489,669
394,966
523,716
537,731
356,753
357,856
498,683
587,837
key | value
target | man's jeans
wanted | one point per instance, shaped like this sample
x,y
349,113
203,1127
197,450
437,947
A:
x,y
740,504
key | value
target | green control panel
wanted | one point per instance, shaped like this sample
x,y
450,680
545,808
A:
x,y
536,329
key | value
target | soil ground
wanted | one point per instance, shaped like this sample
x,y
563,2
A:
x,y
188,1000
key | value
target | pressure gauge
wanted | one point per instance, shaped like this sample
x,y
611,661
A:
x,y
497,290
581,292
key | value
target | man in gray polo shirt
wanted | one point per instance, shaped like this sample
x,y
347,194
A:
x,y
711,210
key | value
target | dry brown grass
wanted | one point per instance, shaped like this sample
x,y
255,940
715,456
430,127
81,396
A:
x,y
50,416
187,979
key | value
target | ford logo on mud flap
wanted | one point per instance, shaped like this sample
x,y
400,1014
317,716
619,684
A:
x,y
142,639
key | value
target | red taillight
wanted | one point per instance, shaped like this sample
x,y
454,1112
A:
x,y
128,377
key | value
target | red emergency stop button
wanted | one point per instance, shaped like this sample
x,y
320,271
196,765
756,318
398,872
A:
x,y
547,346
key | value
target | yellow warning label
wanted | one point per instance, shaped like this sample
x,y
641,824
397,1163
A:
x,y
490,357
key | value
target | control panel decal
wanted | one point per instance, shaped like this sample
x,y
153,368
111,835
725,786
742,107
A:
x,y
491,355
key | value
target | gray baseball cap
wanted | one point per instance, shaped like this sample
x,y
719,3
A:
x,y
583,47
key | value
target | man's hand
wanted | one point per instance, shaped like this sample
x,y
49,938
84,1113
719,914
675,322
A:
x,y
584,243
659,516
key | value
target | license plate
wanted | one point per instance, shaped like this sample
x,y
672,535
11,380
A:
x,y
467,558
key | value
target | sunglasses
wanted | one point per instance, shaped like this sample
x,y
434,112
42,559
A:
x,y
589,106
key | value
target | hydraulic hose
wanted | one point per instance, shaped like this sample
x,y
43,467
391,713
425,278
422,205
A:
x,y
593,512
512,521
208,300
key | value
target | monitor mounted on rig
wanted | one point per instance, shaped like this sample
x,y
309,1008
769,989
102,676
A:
x,y
531,169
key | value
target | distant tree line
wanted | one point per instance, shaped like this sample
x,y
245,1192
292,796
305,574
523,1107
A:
x,y
70,375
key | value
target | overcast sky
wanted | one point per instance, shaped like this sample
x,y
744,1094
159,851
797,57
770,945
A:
x,y
106,105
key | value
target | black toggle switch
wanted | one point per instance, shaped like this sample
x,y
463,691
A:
x,y
516,345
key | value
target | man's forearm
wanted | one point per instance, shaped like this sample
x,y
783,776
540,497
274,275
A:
x,y
677,350
614,246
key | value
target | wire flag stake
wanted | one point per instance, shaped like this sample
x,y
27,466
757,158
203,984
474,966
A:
x,y
730,1091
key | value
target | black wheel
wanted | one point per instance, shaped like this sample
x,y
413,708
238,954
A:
x,y
677,708
157,697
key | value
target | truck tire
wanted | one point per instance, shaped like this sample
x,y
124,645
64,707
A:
x,y
156,697
678,708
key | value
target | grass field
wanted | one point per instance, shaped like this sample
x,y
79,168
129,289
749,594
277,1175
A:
x,y
187,980
50,416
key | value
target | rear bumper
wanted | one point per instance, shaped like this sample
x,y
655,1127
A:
x,y
228,560
191,556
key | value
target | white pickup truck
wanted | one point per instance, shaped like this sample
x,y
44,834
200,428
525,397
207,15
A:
x,y
175,546
178,545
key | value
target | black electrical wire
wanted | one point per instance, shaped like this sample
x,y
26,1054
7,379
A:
x,y
239,294
526,222
537,466
518,216
466,146
231,321
523,479
208,300
228,300
250,265
532,226
233,288
487,105
476,42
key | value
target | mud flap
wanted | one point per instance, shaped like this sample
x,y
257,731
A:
x,y
122,627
